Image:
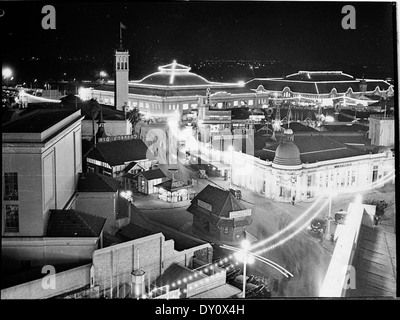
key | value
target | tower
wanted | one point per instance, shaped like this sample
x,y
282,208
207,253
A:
x,y
121,78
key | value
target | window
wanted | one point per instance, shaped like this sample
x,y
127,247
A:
x,y
374,173
12,221
169,107
235,103
226,230
11,186
250,102
185,106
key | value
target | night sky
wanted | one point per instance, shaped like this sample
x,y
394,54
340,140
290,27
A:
x,y
299,35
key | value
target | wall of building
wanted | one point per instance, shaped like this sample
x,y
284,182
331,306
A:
x,y
43,251
65,281
102,204
311,180
381,131
30,207
152,254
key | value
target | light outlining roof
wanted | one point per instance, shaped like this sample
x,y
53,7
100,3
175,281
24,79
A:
x,y
176,75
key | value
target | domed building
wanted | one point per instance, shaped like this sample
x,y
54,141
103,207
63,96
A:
x,y
287,154
304,166
174,90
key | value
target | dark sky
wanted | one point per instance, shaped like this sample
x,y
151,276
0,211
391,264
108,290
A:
x,y
302,34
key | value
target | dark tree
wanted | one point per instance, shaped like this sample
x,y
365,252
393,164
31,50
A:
x,y
93,111
134,116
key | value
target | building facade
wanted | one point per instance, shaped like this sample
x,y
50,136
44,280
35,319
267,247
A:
x,y
41,162
303,168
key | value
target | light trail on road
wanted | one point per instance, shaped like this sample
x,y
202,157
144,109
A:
x,y
383,180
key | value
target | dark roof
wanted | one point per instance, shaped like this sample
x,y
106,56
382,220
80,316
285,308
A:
x,y
174,273
129,166
132,231
314,148
37,121
153,174
120,152
222,201
173,185
93,182
73,223
351,127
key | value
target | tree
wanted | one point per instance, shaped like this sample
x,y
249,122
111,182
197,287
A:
x,y
134,116
93,111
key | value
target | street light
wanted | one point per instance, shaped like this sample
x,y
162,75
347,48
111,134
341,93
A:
x,y
243,255
328,232
230,150
7,74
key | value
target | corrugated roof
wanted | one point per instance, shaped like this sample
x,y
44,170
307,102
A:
x,y
375,264
173,185
73,223
93,182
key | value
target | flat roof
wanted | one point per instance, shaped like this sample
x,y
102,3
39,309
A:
x,y
37,121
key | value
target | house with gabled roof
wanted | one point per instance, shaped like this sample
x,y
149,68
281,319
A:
x,y
218,214
118,156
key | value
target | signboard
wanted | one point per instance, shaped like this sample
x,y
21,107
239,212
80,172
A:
x,y
240,213
204,205
342,165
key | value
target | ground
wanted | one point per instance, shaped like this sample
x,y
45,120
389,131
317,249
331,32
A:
x,y
305,256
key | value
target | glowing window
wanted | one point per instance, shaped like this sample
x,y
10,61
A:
x,y
251,102
235,103
185,106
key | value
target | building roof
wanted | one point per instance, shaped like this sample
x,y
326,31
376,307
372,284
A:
x,y
37,121
222,202
73,223
173,185
120,152
320,76
93,182
317,82
177,272
313,148
375,264
153,174
175,74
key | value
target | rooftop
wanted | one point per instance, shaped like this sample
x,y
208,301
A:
x,y
153,174
93,182
314,148
120,152
375,264
73,223
222,202
37,121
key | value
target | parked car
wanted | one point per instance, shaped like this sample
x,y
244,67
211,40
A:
x,y
340,216
318,225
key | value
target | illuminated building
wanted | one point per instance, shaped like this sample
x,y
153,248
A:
x,y
300,168
381,130
217,213
325,87
174,88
